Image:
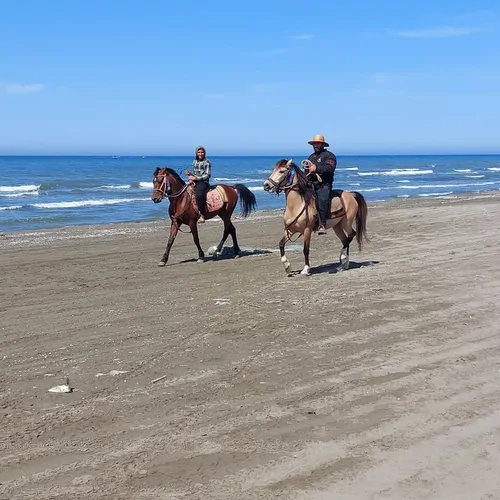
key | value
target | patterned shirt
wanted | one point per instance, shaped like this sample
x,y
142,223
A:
x,y
202,169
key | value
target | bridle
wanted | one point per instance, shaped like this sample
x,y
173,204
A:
x,y
285,183
165,187
164,190
287,176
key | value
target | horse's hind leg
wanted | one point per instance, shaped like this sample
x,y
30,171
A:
x,y
346,234
194,230
284,258
340,230
307,243
232,232
224,236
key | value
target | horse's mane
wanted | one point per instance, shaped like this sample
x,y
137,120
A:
x,y
172,172
304,185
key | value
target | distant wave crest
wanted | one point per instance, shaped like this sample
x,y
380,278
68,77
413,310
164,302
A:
x,y
86,203
397,171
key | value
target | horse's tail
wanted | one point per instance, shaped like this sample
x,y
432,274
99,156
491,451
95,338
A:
x,y
248,203
361,217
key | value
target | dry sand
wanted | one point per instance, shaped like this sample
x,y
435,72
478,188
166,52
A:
x,y
380,382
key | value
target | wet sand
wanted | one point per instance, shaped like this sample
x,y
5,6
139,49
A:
x,y
380,382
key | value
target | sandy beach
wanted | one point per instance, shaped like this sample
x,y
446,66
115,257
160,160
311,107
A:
x,y
380,382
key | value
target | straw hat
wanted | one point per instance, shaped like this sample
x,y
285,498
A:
x,y
318,138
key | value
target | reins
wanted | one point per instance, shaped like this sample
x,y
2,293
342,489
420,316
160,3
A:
x,y
291,187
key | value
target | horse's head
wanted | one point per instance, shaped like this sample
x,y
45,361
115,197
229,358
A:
x,y
160,185
281,176
164,181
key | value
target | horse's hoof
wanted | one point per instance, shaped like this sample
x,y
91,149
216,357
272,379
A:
x,y
162,264
344,264
200,260
306,271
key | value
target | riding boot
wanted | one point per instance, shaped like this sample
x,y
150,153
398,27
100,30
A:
x,y
323,200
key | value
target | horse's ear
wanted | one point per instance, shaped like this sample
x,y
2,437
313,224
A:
x,y
289,162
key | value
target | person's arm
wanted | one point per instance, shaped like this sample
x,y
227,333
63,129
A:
x,y
328,165
207,167
189,172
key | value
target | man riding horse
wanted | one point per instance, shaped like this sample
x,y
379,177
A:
x,y
323,163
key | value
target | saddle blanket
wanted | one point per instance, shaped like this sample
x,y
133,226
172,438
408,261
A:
x,y
216,197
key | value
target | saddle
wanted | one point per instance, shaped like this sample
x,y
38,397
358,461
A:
x,y
216,198
337,207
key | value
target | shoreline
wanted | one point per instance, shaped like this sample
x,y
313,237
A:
x,y
147,226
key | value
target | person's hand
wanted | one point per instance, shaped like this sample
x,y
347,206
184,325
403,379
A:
x,y
191,178
312,168
187,172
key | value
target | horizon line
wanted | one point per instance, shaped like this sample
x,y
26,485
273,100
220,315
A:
x,y
260,155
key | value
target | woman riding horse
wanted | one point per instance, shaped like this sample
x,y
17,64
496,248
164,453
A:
x,y
167,183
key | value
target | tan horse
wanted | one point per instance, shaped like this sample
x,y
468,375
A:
x,y
301,215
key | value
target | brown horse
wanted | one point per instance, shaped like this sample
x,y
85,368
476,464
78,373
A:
x,y
221,201
300,214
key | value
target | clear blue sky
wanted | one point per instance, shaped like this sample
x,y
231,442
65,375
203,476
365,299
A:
x,y
159,77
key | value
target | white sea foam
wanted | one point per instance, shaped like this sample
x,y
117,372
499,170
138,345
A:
x,y
16,195
436,194
475,176
230,179
146,185
14,189
434,186
397,171
86,203
256,188
119,186
462,170
13,207
349,168
494,169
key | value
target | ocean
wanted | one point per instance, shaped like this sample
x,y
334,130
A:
x,y
41,192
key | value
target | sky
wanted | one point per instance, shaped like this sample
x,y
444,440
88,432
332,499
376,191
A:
x,y
159,77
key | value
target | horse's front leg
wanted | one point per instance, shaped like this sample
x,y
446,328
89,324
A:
x,y
174,228
284,258
194,230
307,244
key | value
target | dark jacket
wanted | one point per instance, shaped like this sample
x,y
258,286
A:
x,y
325,162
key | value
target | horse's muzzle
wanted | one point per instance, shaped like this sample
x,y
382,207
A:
x,y
268,187
156,200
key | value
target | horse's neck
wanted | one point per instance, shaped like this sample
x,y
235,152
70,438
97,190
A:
x,y
175,185
294,200
177,188
178,195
